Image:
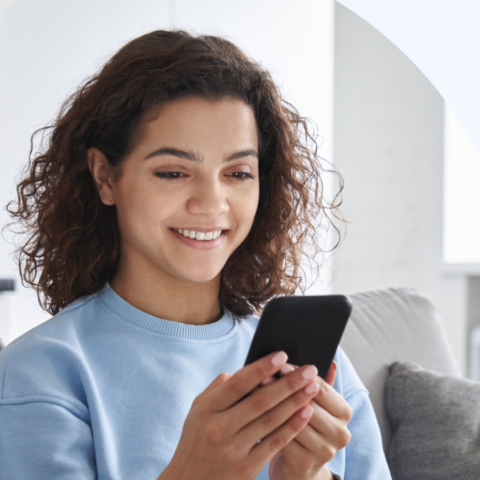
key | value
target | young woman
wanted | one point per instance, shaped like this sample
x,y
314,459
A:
x,y
173,199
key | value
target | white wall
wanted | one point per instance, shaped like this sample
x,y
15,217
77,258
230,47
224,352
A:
x,y
389,147
4,4
462,194
48,46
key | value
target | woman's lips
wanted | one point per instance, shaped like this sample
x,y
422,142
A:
x,y
200,244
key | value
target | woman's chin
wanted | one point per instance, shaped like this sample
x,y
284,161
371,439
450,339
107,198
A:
x,y
201,275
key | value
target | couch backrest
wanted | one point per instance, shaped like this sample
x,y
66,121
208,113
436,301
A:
x,y
394,325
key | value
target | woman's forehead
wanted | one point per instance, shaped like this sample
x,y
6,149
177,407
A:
x,y
224,123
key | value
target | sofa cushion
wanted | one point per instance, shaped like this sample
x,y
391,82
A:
x,y
436,424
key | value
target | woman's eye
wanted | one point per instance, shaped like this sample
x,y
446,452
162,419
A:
x,y
169,175
177,175
242,175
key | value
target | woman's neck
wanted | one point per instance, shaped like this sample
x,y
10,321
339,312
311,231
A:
x,y
168,297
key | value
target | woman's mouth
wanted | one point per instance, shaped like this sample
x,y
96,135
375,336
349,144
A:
x,y
200,240
203,236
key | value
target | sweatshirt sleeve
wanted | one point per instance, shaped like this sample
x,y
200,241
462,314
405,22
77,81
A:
x,y
45,423
364,456
44,440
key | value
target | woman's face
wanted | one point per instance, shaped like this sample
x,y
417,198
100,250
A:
x,y
195,169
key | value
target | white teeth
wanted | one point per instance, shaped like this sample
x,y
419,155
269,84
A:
x,y
199,235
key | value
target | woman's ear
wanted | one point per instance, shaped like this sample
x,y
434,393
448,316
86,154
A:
x,y
102,174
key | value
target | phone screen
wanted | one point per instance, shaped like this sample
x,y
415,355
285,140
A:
x,y
308,329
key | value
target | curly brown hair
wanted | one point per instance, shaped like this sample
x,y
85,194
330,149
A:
x,y
73,241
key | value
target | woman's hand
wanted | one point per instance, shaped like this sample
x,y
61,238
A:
x,y
305,456
220,437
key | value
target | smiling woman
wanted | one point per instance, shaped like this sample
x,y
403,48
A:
x,y
173,197
113,111
194,169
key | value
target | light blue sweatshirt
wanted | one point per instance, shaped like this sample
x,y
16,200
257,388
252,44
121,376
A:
x,y
102,389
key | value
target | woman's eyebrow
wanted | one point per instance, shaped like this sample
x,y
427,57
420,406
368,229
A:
x,y
196,158
243,153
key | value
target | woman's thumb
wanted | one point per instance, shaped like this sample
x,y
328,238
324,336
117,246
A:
x,y
219,380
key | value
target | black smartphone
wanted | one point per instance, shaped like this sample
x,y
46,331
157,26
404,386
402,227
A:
x,y
308,329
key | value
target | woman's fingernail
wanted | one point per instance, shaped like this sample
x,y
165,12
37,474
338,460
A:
x,y
287,368
307,411
313,387
268,380
279,358
310,372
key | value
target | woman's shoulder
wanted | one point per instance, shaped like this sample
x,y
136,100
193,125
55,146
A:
x,y
250,322
46,360
60,326
347,381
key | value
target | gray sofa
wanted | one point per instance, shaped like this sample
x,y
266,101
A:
x,y
388,326
428,414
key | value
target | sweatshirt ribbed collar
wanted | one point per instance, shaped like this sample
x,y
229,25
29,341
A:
x,y
167,327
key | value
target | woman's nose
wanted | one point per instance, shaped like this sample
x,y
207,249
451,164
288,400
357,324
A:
x,y
209,198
